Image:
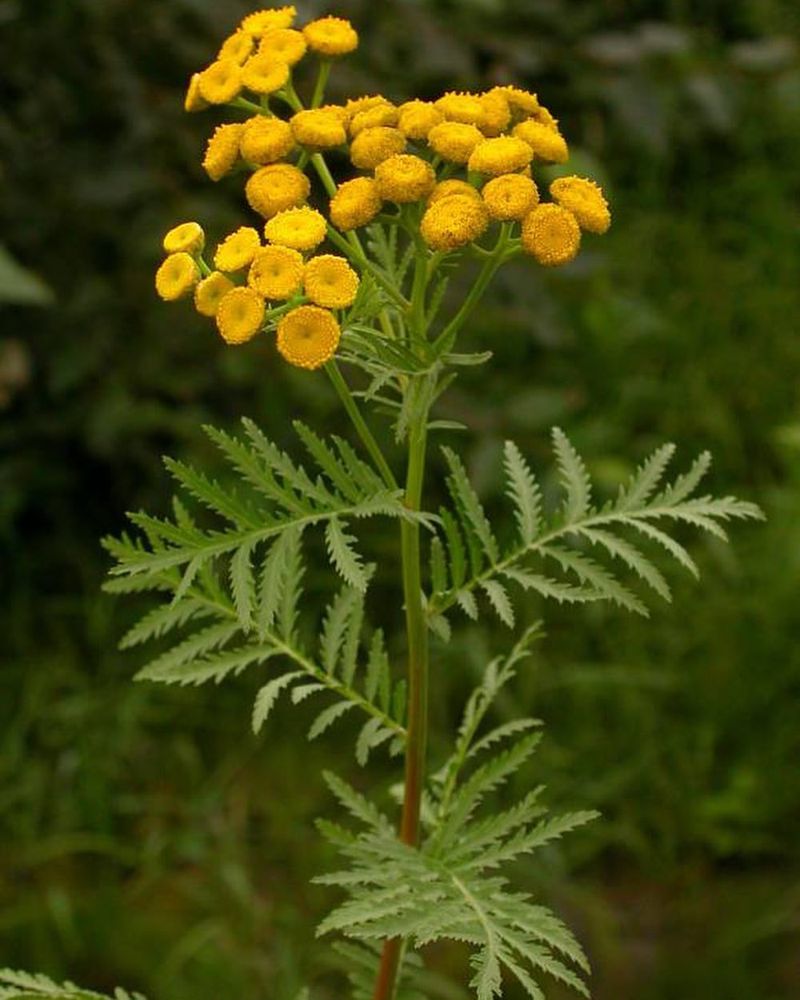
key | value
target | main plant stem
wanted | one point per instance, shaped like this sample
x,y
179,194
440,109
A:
x,y
416,629
417,638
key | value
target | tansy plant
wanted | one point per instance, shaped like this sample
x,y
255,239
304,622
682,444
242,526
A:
x,y
352,268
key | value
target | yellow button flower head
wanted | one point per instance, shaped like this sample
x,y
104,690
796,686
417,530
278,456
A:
x,y
237,250
262,20
453,222
264,75
238,47
453,186
522,103
276,272
319,128
331,36
384,113
465,108
341,112
308,336
551,234
543,116
404,178
546,143
416,118
222,150
194,99
275,188
283,44
239,315
510,197
502,155
177,276
454,141
356,203
329,281
210,291
374,145
265,140
188,237
355,105
298,228
496,113
220,82
584,198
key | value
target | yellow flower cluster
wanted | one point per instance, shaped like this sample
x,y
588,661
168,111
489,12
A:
x,y
258,57
251,277
449,168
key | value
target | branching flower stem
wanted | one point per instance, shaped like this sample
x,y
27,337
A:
x,y
354,250
360,424
493,262
322,81
245,105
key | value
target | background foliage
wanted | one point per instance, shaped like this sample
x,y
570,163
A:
x,y
145,837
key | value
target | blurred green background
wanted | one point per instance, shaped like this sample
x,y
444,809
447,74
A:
x,y
146,838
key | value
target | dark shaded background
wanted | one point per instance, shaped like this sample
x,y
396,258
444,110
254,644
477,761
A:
x,y
145,837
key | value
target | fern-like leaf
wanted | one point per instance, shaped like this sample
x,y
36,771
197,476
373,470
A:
x,y
443,890
231,592
525,493
15,985
268,695
470,506
343,556
574,477
586,551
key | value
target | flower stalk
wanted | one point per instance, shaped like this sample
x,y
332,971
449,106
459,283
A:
x,y
418,683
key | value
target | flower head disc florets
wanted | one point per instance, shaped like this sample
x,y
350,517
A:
x,y
355,204
297,228
331,36
237,250
264,75
265,140
209,292
454,141
319,128
188,237
585,200
177,276
459,107
222,150
261,21
276,188
510,197
501,155
453,186
551,234
453,222
442,173
239,315
547,143
283,44
276,272
238,46
415,119
404,178
308,336
329,281
374,145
